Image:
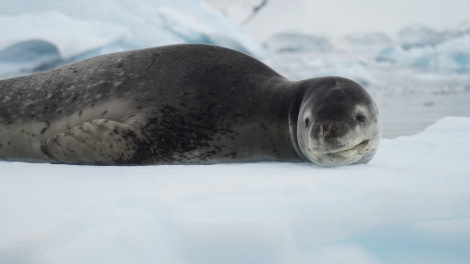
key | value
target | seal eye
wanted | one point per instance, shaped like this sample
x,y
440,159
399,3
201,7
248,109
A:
x,y
307,122
361,118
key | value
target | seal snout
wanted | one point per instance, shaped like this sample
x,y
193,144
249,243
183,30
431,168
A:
x,y
328,137
329,130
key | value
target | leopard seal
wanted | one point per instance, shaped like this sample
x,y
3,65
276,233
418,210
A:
x,y
183,104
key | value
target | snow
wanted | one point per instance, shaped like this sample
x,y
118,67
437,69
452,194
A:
x,y
410,204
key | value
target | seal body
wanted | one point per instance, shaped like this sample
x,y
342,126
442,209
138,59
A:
x,y
179,104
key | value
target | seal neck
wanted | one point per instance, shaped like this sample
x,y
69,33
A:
x,y
294,109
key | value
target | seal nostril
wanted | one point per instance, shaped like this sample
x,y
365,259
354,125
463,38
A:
x,y
307,121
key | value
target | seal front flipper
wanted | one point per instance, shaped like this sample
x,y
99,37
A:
x,y
99,141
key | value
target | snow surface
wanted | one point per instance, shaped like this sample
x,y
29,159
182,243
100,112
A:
x,y
410,204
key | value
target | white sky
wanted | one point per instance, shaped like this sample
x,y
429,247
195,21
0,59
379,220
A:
x,y
338,17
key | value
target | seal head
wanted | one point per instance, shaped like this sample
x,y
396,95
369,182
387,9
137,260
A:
x,y
338,122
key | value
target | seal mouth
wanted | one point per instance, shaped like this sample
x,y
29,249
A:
x,y
359,146
341,156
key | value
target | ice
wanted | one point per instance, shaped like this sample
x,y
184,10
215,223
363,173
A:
x,y
191,30
452,55
29,51
418,35
371,57
28,55
369,43
70,34
410,204
428,50
80,29
297,42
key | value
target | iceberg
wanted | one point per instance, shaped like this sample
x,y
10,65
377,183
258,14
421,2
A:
x,y
297,42
427,50
27,51
420,60
28,54
69,34
80,29
418,35
368,43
